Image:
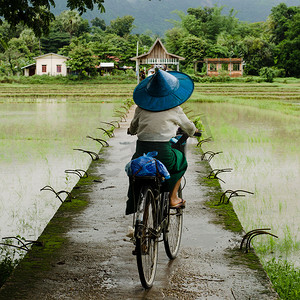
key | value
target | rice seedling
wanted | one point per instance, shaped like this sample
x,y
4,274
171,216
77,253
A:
x,y
257,139
285,278
256,135
43,149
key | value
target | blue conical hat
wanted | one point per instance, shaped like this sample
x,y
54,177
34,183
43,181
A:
x,y
163,90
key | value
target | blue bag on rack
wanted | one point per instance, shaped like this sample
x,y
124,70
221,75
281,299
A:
x,y
147,165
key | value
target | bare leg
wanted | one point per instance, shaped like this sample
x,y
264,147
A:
x,y
174,199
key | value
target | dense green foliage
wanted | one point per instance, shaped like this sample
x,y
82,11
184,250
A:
x,y
201,32
285,279
36,14
206,32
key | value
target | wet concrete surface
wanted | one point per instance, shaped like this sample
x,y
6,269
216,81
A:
x,y
96,261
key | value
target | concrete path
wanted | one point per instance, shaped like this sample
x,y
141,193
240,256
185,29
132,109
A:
x,y
94,259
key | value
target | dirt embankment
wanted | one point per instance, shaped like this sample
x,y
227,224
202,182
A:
x,y
86,254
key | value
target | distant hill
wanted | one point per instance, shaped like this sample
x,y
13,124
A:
x,y
152,15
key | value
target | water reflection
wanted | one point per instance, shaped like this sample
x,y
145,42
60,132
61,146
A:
x,y
36,147
263,148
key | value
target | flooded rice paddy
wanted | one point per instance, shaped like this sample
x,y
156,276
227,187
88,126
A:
x,y
36,147
263,149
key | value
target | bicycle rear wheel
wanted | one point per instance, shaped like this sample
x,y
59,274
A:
x,y
173,231
147,240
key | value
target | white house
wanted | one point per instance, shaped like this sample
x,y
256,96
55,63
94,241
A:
x,y
47,64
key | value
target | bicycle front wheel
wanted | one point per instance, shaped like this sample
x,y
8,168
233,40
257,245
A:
x,y
147,240
173,231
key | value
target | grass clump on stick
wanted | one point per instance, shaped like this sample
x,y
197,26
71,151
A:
x,y
7,263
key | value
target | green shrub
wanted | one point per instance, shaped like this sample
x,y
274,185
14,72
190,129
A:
x,y
204,79
195,78
249,79
120,76
8,262
6,267
259,80
267,74
6,79
279,72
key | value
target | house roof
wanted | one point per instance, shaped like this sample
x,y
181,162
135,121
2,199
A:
x,y
158,41
115,58
51,54
223,60
105,65
25,67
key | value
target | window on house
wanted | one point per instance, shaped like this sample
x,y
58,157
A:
x,y
224,67
44,68
213,67
58,68
236,67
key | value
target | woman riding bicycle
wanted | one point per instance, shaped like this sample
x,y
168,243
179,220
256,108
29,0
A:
x,y
156,121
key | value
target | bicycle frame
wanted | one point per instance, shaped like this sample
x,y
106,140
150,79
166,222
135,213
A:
x,y
153,218
161,200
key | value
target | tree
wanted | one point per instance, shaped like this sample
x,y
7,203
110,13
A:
x,y
36,14
257,53
284,26
205,22
174,37
288,50
97,22
70,22
145,41
7,33
82,59
279,20
29,39
16,55
215,51
54,41
121,26
193,48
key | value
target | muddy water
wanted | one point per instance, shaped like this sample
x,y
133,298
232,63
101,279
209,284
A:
x,y
36,147
263,150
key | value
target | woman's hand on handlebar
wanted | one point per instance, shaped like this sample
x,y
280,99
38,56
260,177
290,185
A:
x,y
197,133
128,132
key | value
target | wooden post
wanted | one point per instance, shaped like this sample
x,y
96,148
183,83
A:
x,y
241,68
137,67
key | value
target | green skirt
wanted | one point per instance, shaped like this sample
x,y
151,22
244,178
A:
x,y
173,159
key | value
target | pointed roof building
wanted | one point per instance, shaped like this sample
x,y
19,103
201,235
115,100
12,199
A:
x,y
158,55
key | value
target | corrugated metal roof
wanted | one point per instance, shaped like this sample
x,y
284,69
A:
x,y
51,54
28,66
107,65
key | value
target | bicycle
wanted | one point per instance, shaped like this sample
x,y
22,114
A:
x,y
153,218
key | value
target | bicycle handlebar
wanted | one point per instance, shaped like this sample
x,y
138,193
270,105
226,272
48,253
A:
x,y
185,136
